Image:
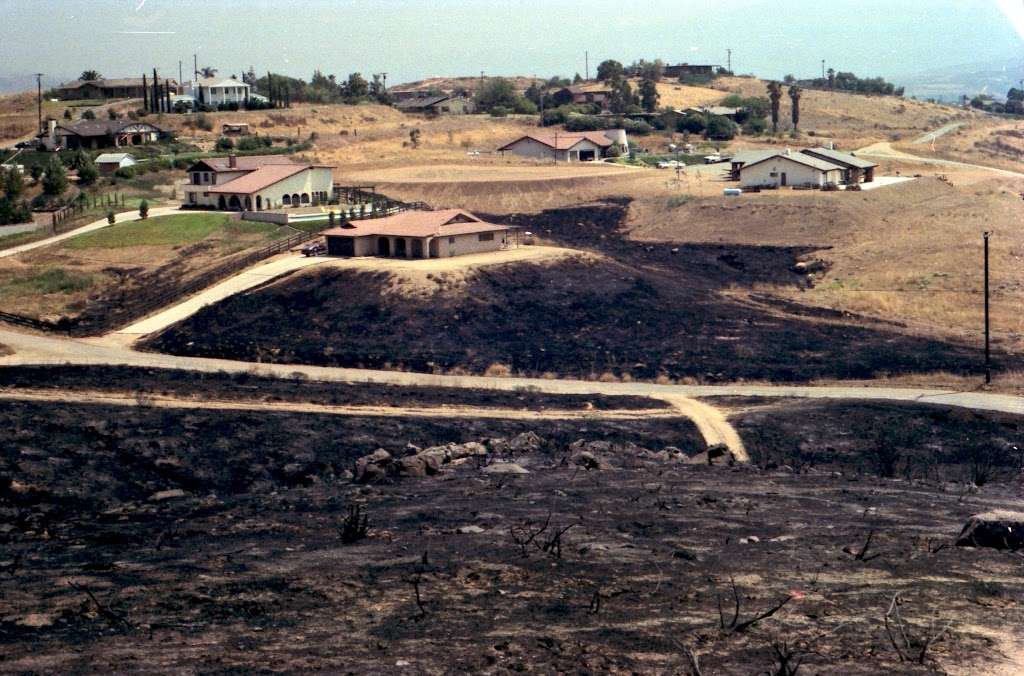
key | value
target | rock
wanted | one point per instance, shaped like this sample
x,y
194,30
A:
x,y
752,540
590,461
467,530
526,442
373,467
719,454
505,468
36,620
417,465
171,494
467,450
999,529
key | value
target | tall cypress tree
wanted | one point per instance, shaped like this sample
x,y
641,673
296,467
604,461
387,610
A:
x,y
156,93
145,93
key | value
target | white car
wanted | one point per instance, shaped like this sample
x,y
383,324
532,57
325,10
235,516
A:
x,y
712,159
670,164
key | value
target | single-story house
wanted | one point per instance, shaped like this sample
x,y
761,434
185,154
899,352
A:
x,y
747,157
235,128
120,88
855,169
594,92
93,134
787,168
257,183
213,91
436,105
108,163
715,111
419,234
567,146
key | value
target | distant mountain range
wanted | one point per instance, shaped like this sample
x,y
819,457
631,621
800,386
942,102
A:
x,y
948,84
10,84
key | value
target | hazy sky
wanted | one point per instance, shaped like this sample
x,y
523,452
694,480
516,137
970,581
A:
x,y
412,39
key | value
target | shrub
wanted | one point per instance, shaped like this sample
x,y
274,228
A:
x,y
55,180
88,173
144,209
203,122
224,143
111,218
88,115
691,124
524,106
125,172
500,111
721,128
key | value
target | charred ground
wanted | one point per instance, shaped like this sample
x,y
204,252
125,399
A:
x,y
243,567
641,310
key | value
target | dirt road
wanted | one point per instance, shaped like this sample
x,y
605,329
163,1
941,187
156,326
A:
x,y
932,136
885,151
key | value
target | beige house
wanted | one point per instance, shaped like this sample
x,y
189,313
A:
x,y
565,146
419,234
787,168
257,183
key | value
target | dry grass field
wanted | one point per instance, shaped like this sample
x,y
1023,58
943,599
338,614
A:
x,y
18,113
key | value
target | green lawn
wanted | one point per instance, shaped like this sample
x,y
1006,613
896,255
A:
x,y
161,231
52,280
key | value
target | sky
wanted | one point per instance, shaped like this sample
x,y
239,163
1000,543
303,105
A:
x,y
415,39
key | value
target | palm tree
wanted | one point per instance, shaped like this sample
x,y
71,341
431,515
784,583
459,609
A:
x,y
207,71
90,75
794,94
775,94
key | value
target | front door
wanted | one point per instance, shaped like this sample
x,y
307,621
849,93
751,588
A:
x,y
783,182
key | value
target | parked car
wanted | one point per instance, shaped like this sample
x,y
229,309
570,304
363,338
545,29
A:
x,y
712,159
314,249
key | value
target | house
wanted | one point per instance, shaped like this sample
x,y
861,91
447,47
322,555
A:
x,y
235,129
419,234
216,91
93,134
566,146
747,157
596,93
108,163
715,111
436,105
122,88
786,168
855,169
684,69
256,183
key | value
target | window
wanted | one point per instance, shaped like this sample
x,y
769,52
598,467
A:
x,y
191,198
451,240
206,177
195,178
486,236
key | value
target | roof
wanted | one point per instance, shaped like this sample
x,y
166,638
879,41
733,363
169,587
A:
x,y
565,140
108,82
589,88
422,102
244,163
752,156
103,127
112,158
258,179
840,157
219,82
799,158
724,111
419,224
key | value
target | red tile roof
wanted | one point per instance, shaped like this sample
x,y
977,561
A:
x,y
419,224
245,162
260,178
564,140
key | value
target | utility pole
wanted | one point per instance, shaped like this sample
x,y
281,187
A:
x,y
180,72
195,67
586,65
384,77
823,69
988,351
39,100
728,60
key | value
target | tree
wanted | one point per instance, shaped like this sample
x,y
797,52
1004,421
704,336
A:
x,y
143,209
831,78
36,172
720,128
496,91
649,96
90,75
356,87
87,172
67,114
55,180
609,69
775,96
13,183
622,95
208,71
88,115
111,218
577,78
794,94
224,143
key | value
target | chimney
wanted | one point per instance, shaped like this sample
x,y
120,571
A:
x,y
232,160
789,151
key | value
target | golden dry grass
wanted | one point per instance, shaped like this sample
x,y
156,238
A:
x,y
18,113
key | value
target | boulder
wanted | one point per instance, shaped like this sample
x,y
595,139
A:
x,y
505,468
719,454
417,465
468,530
999,529
172,494
588,460
526,442
373,467
467,450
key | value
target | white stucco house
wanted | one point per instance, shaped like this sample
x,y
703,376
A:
x,y
566,146
419,234
214,91
786,168
257,183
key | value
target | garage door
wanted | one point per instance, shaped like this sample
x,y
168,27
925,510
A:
x,y
341,246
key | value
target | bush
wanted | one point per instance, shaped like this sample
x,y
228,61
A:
x,y
144,209
111,218
87,172
721,128
203,122
524,106
12,211
125,172
88,115
224,143
55,180
755,126
500,111
690,124
577,122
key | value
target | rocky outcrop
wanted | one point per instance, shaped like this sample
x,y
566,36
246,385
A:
x,y
998,529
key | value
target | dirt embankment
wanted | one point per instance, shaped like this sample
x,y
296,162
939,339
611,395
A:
x,y
217,542
644,311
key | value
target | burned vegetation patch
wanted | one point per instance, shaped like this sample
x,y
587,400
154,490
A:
x,y
158,541
579,318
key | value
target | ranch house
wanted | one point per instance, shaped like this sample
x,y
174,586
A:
x,y
257,183
787,168
419,234
563,146
93,134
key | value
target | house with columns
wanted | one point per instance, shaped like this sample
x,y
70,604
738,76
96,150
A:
x,y
419,234
257,183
